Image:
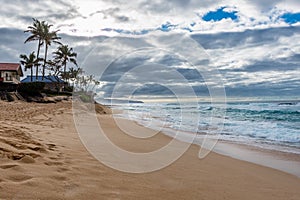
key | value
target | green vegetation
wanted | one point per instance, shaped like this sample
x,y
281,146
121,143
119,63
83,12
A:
x,y
57,66
86,83
63,55
36,31
30,62
85,97
41,31
84,87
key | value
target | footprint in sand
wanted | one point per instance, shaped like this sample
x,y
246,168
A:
x,y
54,158
53,163
19,177
59,178
38,149
51,147
70,189
62,169
8,166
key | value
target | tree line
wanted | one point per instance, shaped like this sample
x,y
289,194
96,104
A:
x,y
42,33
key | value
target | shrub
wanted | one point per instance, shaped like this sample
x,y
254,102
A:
x,y
31,88
68,88
85,98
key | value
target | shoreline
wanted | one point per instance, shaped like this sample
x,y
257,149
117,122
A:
x,y
284,161
42,157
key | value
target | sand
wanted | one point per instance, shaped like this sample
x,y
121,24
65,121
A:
x,y
42,157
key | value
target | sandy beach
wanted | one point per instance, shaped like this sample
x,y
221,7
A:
x,y
42,157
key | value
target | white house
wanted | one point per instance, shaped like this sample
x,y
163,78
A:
x,y
10,73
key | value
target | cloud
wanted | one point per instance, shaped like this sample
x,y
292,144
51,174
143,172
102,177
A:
x,y
251,43
269,65
260,62
114,17
12,44
257,60
111,12
18,14
250,38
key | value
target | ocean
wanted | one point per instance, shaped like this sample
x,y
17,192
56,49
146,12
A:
x,y
268,125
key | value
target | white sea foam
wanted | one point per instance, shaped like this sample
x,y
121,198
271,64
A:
x,y
265,124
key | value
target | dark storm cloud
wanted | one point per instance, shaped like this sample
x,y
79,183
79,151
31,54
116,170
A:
x,y
154,89
161,90
23,11
12,44
84,46
239,81
283,88
293,58
248,37
94,53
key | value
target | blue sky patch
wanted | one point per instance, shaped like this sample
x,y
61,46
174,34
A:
x,y
291,18
219,14
167,27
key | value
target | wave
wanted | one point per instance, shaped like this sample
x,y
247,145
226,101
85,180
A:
x,y
249,122
287,103
276,115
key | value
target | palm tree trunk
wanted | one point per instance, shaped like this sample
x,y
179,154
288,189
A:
x,y
45,58
37,66
31,70
65,68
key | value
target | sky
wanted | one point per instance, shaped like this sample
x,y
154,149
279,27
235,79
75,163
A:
x,y
150,48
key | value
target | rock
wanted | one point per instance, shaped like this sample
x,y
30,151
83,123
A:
x,y
101,109
49,100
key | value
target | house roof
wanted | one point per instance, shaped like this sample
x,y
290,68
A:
x,y
11,67
47,79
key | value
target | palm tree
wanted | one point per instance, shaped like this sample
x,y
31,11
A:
x,y
48,37
64,54
30,62
54,67
36,31
74,72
